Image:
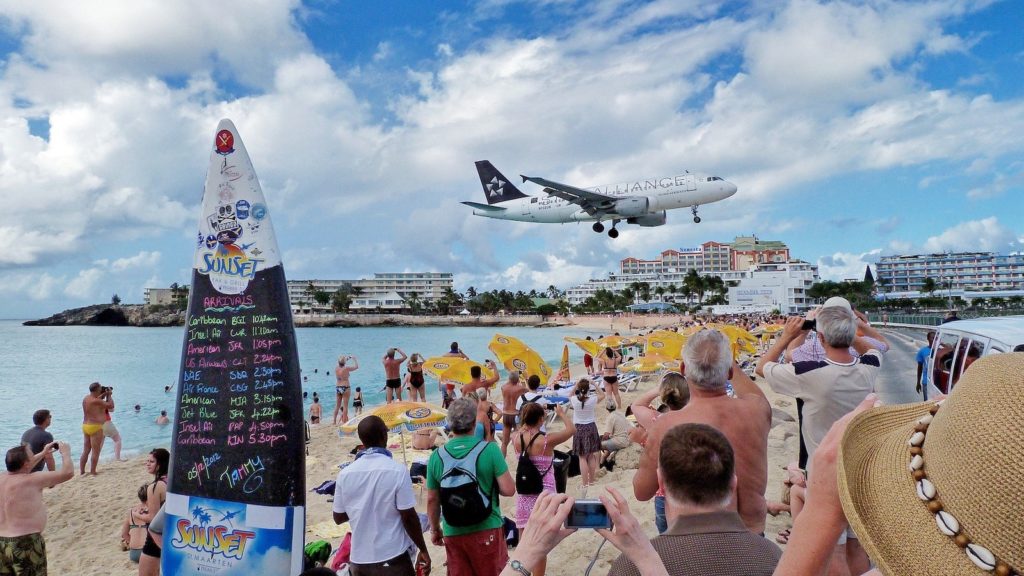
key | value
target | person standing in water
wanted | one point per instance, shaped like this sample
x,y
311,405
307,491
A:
x,y
393,374
415,378
346,366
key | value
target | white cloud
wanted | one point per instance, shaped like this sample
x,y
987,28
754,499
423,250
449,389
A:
x,y
143,259
84,285
845,265
975,236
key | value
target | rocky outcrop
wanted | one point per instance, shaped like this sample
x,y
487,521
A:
x,y
113,315
141,315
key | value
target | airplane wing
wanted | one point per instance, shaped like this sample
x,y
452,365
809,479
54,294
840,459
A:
x,y
589,201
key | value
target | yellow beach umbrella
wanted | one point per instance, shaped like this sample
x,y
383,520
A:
x,y
589,346
610,341
453,369
516,355
400,417
502,344
650,364
563,367
665,343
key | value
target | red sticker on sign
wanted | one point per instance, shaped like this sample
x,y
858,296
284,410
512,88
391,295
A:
x,y
224,142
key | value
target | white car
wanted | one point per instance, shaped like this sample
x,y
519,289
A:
x,y
958,344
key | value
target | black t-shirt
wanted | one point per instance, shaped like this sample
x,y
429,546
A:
x,y
36,438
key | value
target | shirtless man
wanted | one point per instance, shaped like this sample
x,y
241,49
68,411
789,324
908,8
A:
x,y
342,386
94,406
393,374
315,411
22,511
745,420
511,391
478,381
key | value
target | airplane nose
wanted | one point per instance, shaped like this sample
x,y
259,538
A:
x,y
730,189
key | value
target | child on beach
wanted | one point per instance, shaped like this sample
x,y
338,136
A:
x,y
133,531
357,402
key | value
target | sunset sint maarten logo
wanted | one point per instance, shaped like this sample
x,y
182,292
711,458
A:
x,y
519,364
502,340
212,531
418,413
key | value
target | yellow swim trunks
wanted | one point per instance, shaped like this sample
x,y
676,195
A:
x,y
91,429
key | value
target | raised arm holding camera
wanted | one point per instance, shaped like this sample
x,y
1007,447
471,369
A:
x,y
23,516
94,406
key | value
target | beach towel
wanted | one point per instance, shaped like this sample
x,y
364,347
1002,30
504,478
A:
x,y
326,488
343,555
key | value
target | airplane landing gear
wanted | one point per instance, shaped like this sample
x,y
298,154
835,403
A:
x,y
613,233
696,219
598,227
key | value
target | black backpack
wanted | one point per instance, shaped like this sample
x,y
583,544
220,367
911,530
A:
x,y
529,480
463,503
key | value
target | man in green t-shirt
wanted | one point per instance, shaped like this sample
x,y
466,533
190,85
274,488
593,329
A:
x,y
478,549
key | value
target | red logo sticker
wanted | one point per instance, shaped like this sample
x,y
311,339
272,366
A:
x,y
224,142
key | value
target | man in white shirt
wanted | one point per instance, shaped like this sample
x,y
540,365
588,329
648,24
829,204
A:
x,y
374,494
829,389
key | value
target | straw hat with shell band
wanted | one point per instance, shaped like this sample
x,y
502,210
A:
x,y
972,454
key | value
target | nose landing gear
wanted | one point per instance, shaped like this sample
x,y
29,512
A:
x,y
696,219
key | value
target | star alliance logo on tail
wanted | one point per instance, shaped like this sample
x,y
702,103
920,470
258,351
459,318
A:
x,y
495,187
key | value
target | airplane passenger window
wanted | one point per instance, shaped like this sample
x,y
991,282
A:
x,y
533,201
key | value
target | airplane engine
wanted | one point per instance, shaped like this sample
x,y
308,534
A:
x,y
632,207
650,220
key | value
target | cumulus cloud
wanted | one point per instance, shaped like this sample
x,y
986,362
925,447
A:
x,y
845,265
109,111
986,235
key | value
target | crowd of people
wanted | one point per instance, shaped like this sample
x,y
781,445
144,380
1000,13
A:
x,y
922,488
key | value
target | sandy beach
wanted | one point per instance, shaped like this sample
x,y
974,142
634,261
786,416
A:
x,y
85,514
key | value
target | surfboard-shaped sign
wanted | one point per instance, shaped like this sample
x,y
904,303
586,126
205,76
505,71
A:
x,y
236,493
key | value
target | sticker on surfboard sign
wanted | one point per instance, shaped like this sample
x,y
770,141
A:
x,y
236,253
224,142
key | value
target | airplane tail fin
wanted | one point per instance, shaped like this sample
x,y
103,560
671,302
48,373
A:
x,y
496,187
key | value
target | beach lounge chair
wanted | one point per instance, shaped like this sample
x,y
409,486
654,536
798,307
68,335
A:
x,y
629,382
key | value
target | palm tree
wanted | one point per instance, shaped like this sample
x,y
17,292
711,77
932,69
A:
x,y
413,301
340,301
929,285
660,293
553,292
693,283
671,290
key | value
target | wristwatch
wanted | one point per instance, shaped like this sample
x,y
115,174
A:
x,y
518,567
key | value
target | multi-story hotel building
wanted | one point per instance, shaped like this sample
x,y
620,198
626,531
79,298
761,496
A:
x,y
953,271
387,291
711,257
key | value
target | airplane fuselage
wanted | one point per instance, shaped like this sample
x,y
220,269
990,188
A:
x,y
651,196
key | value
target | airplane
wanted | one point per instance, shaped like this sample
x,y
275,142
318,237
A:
x,y
642,202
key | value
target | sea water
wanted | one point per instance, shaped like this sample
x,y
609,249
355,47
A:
x,y
52,367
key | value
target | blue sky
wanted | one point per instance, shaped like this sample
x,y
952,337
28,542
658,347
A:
x,y
853,130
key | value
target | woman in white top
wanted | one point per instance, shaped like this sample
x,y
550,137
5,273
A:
x,y
587,441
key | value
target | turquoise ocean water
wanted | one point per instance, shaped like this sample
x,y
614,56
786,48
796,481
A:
x,y
51,367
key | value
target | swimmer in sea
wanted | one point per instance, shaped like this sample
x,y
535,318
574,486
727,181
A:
x,y
346,365
357,401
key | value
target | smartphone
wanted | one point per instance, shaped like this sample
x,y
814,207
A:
x,y
809,325
588,514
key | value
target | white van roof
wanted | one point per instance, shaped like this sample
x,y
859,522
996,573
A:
x,y
1006,329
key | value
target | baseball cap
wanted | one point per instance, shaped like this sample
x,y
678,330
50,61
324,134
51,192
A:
x,y
837,301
